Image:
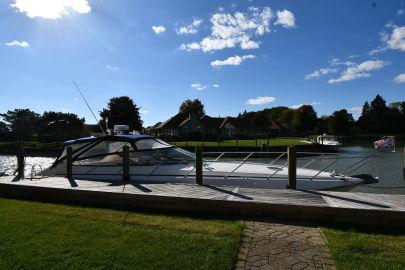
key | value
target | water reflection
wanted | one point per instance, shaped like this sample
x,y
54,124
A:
x,y
8,164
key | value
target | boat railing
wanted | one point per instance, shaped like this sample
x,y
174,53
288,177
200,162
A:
x,y
324,161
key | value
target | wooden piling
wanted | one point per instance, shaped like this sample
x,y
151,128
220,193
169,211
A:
x,y
69,163
20,163
125,163
292,167
198,165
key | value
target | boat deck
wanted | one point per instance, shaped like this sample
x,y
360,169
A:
x,y
314,206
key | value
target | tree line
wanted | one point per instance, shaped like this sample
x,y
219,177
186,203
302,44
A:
x,y
376,118
24,124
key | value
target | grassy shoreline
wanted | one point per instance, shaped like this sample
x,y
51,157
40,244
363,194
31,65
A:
x,y
41,235
354,249
44,235
245,143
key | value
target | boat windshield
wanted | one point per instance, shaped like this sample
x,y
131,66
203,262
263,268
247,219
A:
x,y
151,143
142,152
327,138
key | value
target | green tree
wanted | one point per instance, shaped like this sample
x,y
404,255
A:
x,y
340,122
3,128
23,123
286,116
58,126
364,119
192,106
122,111
304,120
378,115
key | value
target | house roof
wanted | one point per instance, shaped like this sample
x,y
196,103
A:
x,y
173,122
236,122
211,122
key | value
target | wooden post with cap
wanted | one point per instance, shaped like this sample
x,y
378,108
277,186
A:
x,y
20,163
198,165
292,167
125,163
69,163
404,165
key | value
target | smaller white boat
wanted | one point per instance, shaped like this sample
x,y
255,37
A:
x,y
330,142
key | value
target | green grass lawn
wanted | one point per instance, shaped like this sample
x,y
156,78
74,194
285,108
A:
x,y
47,236
246,143
366,250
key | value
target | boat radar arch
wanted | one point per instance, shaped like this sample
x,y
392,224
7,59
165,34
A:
x,y
121,129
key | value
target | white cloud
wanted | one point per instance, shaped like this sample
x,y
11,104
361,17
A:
x,y
232,30
112,68
198,86
356,110
318,73
51,9
260,100
338,62
396,41
400,12
400,78
285,18
190,29
231,61
158,29
359,71
16,43
215,85
143,111
312,104
375,51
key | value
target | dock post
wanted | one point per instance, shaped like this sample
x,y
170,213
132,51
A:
x,y
125,163
198,165
69,163
404,165
292,167
20,163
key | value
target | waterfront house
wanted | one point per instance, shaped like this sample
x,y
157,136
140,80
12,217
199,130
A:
x,y
191,125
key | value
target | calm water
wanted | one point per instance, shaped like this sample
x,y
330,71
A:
x,y
387,166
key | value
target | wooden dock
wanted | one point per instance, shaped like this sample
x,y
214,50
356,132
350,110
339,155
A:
x,y
364,209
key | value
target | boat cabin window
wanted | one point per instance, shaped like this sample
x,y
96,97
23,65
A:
x,y
74,148
147,144
171,154
106,147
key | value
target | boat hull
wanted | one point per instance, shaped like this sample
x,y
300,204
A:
x,y
248,175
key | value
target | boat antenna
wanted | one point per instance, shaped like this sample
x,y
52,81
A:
x,y
88,106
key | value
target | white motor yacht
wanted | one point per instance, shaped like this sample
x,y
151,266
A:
x,y
330,142
153,160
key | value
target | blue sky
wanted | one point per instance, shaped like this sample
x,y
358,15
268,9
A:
x,y
233,55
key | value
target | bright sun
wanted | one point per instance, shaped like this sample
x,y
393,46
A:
x,y
51,9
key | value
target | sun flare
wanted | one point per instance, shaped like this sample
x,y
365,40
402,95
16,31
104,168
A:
x,y
51,9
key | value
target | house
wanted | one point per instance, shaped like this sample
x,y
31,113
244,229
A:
x,y
213,127
171,126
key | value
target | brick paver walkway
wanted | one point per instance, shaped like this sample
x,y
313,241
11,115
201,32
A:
x,y
283,246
